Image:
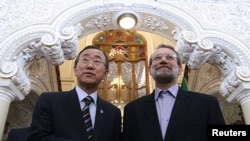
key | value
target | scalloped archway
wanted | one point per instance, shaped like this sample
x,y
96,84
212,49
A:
x,y
58,41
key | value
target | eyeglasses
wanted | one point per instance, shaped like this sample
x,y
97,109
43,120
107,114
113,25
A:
x,y
95,61
167,57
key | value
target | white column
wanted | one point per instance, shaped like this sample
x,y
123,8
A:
x,y
5,100
236,87
4,108
246,111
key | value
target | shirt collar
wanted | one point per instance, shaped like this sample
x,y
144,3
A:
x,y
173,89
82,94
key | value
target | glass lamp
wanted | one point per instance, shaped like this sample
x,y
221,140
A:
x,y
127,21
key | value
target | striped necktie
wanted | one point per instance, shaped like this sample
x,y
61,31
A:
x,y
87,118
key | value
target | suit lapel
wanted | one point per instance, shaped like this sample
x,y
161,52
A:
x,y
100,118
181,103
151,113
72,106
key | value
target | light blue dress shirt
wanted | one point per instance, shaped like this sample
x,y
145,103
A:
x,y
164,100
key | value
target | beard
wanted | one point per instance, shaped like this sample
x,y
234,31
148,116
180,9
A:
x,y
163,77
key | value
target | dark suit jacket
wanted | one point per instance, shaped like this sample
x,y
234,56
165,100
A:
x,y
191,115
57,116
18,134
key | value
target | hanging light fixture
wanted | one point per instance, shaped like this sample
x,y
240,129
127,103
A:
x,y
127,20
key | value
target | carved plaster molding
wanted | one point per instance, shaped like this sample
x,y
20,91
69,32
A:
x,y
54,46
7,95
211,48
198,50
236,84
57,40
8,69
9,92
195,52
228,16
243,97
11,70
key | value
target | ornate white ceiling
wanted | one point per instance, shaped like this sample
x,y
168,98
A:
x,y
227,16
50,29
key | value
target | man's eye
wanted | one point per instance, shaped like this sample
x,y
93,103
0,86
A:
x,y
157,58
170,58
85,59
97,61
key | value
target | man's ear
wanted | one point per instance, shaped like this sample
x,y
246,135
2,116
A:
x,y
105,76
149,69
74,70
180,70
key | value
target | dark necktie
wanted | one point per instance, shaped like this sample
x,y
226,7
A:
x,y
87,118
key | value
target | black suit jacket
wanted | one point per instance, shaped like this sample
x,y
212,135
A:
x,y
191,115
18,134
57,117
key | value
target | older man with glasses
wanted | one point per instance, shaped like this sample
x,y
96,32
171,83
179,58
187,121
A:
x,y
79,114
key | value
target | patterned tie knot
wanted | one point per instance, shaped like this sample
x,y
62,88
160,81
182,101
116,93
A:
x,y
87,100
165,92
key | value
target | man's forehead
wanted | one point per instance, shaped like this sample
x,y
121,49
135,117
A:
x,y
164,51
92,52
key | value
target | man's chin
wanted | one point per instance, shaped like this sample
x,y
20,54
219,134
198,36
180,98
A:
x,y
164,79
89,83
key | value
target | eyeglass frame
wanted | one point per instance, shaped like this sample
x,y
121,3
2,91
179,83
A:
x,y
168,57
106,63
95,61
179,57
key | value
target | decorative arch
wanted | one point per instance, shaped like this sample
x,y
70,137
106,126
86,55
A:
x,y
58,41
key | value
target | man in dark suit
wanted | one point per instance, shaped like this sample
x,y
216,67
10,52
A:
x,y
18,134
58,115
170,113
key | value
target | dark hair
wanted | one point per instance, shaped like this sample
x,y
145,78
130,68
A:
x,y
179,57
106,63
